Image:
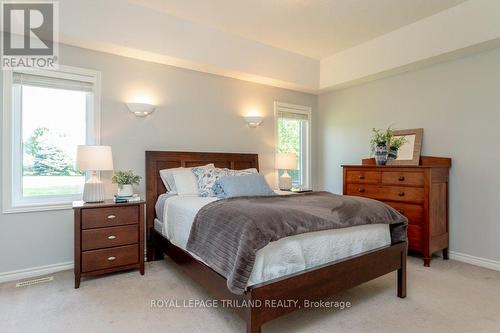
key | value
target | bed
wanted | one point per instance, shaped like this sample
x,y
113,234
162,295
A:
x,y
372,255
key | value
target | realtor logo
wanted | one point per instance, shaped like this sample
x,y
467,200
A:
x,y
30,34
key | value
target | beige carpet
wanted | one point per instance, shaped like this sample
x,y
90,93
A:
x,y
448,297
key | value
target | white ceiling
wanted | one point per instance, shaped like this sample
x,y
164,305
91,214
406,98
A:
x,y
314,28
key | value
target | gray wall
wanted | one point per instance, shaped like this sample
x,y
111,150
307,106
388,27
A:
x,y
458,105
196,111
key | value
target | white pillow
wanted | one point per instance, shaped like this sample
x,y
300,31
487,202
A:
x,y
250,170
167,177
186,182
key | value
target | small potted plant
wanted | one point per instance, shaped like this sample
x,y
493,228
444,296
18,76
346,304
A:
x,y
379,143
125,181
394,146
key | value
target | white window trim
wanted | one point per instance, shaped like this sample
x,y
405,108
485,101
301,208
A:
x,y
8,140
294,108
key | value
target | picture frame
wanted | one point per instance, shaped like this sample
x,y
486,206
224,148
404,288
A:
x,y
409,153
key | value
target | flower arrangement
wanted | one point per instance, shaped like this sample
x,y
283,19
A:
x,y
397,142
384,145
380,138
125,178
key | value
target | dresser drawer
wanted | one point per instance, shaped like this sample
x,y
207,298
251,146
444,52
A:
x,y
362,177
403,178
414,213
108,237
109,258
389,193
110,216
415,239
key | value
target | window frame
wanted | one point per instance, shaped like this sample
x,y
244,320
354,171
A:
x,y
301,109
12,131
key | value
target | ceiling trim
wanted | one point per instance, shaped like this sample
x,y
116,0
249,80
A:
x,y
466,28
142,33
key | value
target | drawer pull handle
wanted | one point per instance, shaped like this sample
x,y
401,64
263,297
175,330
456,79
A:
x,y
111,258
110,217
112,237
361,190
401,178
401,211
361,177
401,194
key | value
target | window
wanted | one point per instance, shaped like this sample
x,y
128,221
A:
x,y
47,113
293,135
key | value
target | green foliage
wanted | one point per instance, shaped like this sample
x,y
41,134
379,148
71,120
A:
x,y
397,142
42,158
380,138
125,177
289,134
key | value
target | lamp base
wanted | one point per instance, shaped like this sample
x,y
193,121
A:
x,y
93,190
285,182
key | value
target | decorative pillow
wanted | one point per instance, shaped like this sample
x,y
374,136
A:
x,y
249,170
244,185
217,189
185,182
167,177
208,177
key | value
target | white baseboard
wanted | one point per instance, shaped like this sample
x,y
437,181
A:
x,y
477,261
35,271
49,269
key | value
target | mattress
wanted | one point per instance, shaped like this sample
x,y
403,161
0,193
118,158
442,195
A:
x,y
285,256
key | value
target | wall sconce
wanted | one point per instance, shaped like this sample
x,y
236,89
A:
x,y
253,121
141,109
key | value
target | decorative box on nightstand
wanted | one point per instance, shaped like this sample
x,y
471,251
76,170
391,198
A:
x,y
109,237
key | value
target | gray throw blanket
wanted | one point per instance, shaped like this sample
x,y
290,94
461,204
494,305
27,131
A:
x,y
227,234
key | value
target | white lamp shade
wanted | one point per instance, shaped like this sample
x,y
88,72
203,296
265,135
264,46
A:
x,y
94,158
287,161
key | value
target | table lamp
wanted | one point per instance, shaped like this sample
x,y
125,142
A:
x,y
286,161
94,158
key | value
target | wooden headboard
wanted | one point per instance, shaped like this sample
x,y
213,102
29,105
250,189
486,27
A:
x,y
158,160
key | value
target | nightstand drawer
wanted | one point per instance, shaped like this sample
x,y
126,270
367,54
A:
x,y
108,258
110,216
109,237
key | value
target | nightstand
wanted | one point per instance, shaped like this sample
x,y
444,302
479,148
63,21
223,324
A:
x,y
109,237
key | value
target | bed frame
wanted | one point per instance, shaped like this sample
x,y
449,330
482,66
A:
x,y
309,285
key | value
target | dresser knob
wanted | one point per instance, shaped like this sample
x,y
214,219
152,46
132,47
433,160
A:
x,y
110,217
111,258
401,178
401,194
401,211
361,190
112,237
361,177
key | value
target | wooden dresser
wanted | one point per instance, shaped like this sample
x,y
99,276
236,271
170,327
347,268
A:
x,y
418,192
109,237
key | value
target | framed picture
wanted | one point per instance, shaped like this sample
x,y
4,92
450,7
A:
x,y
409,152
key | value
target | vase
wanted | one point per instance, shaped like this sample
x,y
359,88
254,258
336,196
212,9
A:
x,y
381,155
392,154
125,190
